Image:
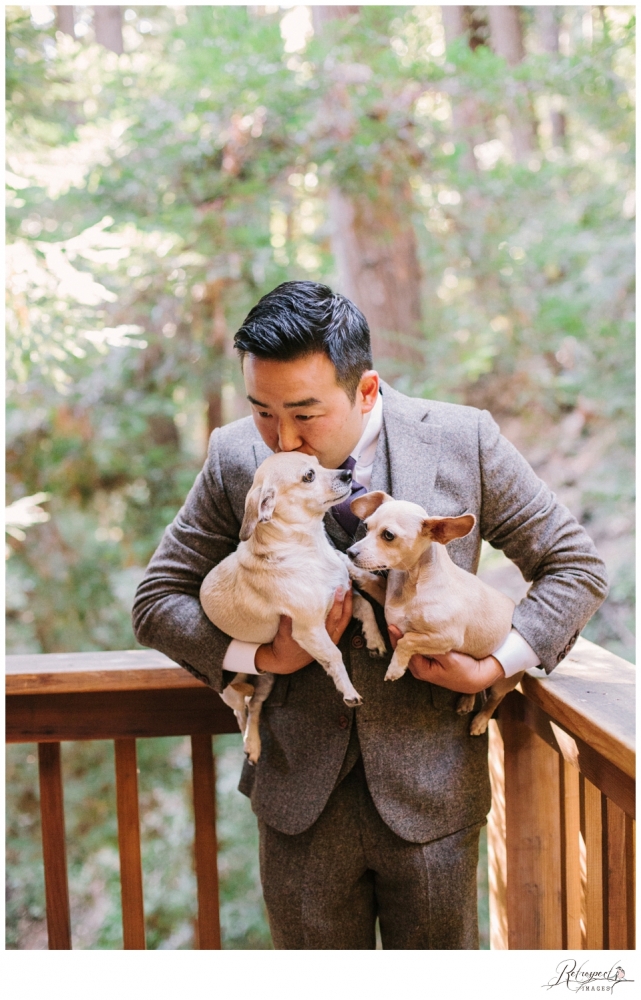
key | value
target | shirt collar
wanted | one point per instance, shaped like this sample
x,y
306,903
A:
x,y
365,450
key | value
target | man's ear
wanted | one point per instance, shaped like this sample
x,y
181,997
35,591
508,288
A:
x,y
444,529
259,508
367,504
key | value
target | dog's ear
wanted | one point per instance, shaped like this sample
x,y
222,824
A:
x,y
444,529
259,507
367,504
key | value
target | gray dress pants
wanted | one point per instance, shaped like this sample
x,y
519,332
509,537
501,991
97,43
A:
x,y
324,888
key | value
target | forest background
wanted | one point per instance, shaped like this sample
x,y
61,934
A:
x,y
465,174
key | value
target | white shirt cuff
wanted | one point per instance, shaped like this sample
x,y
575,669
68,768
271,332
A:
x,y
239,658
515,654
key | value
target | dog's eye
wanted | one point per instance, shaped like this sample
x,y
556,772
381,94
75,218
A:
x,y
309,477
387,535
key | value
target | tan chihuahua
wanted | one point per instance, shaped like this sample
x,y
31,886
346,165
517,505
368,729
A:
x,y
438,606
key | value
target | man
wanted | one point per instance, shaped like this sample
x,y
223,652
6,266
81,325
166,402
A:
x,y
375,811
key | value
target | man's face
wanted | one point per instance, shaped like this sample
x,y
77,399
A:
x,y
298,406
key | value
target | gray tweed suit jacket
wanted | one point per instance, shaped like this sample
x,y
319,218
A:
x,y
427,776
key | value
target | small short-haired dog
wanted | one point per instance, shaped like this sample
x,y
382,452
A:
x,y
438,606
285,565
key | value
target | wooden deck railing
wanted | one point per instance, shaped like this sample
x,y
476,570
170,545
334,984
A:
x,y
121,697
560,834
561,830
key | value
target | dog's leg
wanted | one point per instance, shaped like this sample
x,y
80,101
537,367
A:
x,y
234,696
498,692
465,704
369,583
251,736
319,645
410,643
364,612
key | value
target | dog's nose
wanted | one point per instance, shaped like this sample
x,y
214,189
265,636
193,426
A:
x,y
352,553
345,476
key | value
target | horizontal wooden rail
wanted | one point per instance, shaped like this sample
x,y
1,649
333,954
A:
x,y
105,696
562,763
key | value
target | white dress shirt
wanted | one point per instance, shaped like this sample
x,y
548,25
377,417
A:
x,y
514,653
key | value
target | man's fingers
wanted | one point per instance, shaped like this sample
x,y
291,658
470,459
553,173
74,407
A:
x,y
346,613
394,634
340,614
285,626
424,668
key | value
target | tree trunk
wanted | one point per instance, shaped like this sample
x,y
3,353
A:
x,y
374,243
548,25
507,41
453,18
375,249
321,14
214,304
107,23
464,109
65,20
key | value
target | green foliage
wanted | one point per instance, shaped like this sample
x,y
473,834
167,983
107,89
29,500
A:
x,y
155,196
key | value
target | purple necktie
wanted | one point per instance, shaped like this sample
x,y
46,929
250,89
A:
x,y
349,522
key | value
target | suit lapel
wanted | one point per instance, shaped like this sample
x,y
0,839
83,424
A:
x,y
412,446
261,452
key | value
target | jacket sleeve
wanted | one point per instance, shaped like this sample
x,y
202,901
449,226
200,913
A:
x,y
521,516
167,614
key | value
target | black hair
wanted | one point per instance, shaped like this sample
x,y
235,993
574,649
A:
x,y
303,317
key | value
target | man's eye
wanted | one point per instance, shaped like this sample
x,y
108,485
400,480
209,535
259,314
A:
x,y
263,414
303,416
309,477
387,535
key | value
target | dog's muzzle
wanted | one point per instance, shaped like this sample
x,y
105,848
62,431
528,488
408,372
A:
x,y
341,485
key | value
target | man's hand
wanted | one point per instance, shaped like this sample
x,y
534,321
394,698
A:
x,y
455,671
284,656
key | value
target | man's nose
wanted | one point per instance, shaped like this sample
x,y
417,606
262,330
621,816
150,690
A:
x,y
288,437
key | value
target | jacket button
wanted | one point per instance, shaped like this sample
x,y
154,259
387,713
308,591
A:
x,y
357,641
343,722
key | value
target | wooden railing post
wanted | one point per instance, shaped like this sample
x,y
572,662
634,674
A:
x,y
133,917
620,908
570,856
206,850
592,816
496,847
54,849
533,834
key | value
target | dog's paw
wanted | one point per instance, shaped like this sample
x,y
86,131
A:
x,y
353,702
252,750
376,647
478,724
394,672
465,704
